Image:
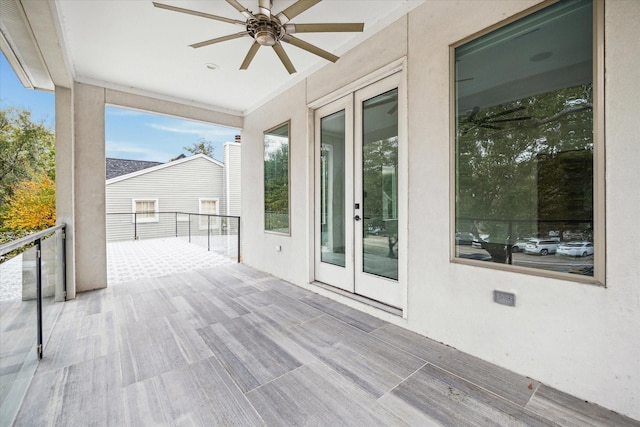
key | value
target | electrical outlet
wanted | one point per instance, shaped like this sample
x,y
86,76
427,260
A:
x,y
278,248
504,298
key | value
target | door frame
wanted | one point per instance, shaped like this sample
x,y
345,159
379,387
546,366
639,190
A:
x,y
397,66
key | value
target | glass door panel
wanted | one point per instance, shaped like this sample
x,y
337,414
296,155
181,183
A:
x,y
334,194
380,192
380,185
332,189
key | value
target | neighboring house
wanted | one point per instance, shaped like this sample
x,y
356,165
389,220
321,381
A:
x,y
164,193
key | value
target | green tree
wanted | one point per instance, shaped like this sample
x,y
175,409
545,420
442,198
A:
x,y
26,150
276,170
201,147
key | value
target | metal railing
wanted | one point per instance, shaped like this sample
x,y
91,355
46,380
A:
x,y
32,280
218,233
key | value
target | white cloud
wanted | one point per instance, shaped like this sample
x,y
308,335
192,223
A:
x,y
118,149
204,131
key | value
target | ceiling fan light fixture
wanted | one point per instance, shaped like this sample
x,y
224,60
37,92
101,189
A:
x,y
266,35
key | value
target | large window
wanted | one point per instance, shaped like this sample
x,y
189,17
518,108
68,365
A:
x,y
524,142
276,179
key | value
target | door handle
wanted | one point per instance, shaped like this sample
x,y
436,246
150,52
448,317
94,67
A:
x,y
357,218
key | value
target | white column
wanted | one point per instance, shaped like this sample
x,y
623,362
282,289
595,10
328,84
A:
x,y
65,180
89,209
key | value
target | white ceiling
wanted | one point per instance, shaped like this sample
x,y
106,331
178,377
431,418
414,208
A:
x,y
133,46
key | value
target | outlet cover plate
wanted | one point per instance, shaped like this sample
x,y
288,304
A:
x,y
504,298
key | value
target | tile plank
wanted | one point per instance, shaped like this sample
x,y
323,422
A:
x,y
355,318
316,395
252,351
566,410
453,401
507,384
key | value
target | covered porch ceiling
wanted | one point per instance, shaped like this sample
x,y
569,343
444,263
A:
x,y
135,47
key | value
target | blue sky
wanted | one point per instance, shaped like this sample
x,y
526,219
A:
x,y
129,134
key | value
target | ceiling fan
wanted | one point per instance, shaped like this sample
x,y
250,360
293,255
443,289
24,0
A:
x,y
267,29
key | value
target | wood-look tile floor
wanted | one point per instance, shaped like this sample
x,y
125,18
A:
x,y
234,346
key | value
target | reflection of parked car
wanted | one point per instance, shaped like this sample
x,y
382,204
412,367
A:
x,y
575,249
374,230
464,238
541,246
519,245
477,243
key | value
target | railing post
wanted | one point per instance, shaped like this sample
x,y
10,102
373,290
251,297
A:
x,y
209,232
176,224
39,295
189,228
135,226
64,261
238,239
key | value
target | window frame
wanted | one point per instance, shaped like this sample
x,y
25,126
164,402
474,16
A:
x,y
264,134
135,217
213,223
599,208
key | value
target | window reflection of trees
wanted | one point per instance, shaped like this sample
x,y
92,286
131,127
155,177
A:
x,y
276,180
525,168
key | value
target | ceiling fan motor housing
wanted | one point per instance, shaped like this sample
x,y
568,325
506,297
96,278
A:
x,y
266,31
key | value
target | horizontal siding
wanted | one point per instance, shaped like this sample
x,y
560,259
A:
x,y
177,188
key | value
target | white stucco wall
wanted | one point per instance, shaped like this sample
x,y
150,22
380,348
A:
x,y
582,339
260,247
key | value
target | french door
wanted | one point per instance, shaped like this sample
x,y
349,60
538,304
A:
x,y
360,214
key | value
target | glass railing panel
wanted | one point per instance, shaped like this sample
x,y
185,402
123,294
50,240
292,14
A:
x,y
20,347
18,331
215,233
52,282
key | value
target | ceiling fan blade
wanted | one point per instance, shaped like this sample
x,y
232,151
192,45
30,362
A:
x,y
240,8
265,7
310,48
196,13
252,52
295,9
220,39
284,58
352,27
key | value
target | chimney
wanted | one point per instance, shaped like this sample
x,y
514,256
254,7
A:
x,y
238,139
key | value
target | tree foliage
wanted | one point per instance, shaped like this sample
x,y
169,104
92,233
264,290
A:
x,y
526,162
26,149
201,147
32,206
276,185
